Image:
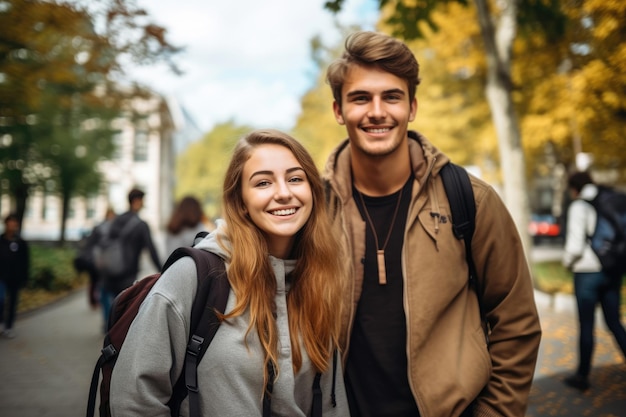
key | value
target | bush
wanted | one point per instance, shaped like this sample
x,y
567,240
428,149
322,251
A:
x,y
52,268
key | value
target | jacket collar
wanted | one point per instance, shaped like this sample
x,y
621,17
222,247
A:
x,y
423,154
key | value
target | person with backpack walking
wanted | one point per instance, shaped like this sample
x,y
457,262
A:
x,y
592,284
413,336
132,235
14,271
85,262
274,352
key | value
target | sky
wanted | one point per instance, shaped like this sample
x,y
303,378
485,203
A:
x,y
245,60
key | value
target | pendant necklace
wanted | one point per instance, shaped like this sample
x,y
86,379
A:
x,y
380,252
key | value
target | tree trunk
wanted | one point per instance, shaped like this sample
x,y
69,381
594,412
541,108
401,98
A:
x,y
65,201
20,194
498,50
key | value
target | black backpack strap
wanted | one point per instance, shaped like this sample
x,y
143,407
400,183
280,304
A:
x,y
93,388
267,394
460,194
211,296
333,397
316,406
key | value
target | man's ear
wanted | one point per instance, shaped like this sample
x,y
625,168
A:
x,y
413,111
337,112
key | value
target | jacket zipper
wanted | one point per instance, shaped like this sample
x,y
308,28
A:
x,y
416,396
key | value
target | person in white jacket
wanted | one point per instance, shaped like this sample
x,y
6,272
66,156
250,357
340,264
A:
x,y
591,284
282,262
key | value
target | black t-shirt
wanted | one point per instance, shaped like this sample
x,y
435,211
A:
x,y
376,370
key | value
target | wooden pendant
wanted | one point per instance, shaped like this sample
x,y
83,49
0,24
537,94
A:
x,y
382,271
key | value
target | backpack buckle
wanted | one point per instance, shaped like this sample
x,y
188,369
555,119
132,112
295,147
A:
x,y
108,352
195,345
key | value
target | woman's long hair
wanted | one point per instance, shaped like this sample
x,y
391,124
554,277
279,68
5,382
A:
x,y
188,213
313,301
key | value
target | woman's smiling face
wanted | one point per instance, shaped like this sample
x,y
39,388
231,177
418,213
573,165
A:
x,y
277,195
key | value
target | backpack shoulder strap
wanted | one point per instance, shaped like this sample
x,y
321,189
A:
x,y
461,197
123,310
211,296
460,194
129,226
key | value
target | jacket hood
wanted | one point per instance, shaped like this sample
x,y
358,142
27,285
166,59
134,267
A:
x,y
217,241
426,159
589,192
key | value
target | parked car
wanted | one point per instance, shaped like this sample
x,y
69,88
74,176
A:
x,y
544,227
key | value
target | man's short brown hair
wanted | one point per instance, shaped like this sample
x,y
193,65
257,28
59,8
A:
x,y
373,49
135,194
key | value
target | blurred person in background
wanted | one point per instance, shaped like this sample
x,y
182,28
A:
x,y
591,284
186,222
135,241
85,261
14,270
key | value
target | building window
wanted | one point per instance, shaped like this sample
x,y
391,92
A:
x,y
117,143
91,207
140,148
71,212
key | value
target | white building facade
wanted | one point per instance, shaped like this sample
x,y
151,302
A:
x,y
145,159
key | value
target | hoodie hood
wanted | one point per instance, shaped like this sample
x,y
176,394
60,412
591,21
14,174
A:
x,y
589,192
217,241
426,160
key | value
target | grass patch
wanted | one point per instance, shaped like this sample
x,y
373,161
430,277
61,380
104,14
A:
x,y
551,277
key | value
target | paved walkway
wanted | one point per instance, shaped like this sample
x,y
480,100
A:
x,y
558,358
47,368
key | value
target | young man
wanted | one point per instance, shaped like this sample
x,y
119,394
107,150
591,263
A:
x,y
591,284
136,237
412,336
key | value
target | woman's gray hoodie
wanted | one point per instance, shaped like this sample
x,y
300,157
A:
x,y
230,376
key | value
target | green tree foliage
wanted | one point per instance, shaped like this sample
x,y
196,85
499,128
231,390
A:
x,y
201,167
50,60
59,90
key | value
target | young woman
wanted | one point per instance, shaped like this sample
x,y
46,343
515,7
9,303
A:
x,y
283,310
187,220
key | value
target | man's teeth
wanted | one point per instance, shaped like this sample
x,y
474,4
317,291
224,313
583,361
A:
x,y
286,212
382,130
